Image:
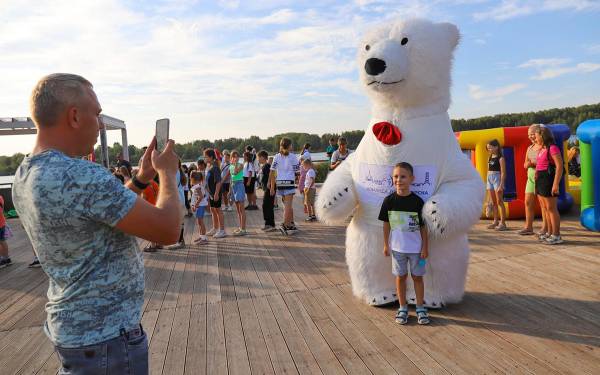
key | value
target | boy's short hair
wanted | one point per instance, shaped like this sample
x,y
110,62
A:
x,y
307,162
263,154
406,166
332,139
201,162
342,141
197,176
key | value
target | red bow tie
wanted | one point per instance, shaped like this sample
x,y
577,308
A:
x,y
387,133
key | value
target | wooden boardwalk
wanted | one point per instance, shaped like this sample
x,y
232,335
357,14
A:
x,y
268,304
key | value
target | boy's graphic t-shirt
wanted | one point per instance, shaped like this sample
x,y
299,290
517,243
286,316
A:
x,y
309,181
404,216
198,191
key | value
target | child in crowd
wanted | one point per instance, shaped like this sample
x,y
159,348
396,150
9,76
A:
x,y
309,189
236,170
332,147
226,178
181,182
150,195
186,189
275,205
340,154
304,155
4,258
405,234
213,184
495,184
250,180
284,172
199,204
269,196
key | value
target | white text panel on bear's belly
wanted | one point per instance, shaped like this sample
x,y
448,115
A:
x,y
375,182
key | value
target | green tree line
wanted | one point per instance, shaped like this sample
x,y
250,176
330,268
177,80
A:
x,y
571,116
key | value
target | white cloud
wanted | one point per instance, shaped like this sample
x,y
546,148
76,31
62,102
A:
x,y
516,8
559,71
479,93
555,67
536,63
229,4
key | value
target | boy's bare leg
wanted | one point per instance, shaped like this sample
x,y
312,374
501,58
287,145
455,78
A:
x,y
419,289
401,289
3,248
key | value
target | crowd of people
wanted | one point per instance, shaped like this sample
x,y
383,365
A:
x,y
223,180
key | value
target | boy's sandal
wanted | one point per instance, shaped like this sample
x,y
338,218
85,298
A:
x,y
525,232
402,316
492,226
150,248
422,316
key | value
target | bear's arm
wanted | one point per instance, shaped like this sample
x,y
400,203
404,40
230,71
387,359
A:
x,y
337,198
456,205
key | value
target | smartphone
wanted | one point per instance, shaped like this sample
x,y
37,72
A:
x,y
162,133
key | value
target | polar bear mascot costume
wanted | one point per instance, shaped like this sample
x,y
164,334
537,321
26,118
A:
x,y
405,68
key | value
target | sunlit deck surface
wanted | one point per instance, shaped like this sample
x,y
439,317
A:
x,y
268,304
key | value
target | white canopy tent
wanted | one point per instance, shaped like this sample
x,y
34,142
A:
x,y
24,125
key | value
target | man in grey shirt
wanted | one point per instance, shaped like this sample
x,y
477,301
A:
x,y
82,224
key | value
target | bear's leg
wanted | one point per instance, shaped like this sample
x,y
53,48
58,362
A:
x,y
446,272
370,271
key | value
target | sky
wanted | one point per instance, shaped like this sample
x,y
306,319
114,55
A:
x,y
231,68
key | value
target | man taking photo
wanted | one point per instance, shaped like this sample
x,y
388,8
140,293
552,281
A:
x,y
82,224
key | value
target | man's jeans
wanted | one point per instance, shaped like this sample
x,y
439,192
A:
x,y
126,354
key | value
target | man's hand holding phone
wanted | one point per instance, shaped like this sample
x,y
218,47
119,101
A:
x,y
166,162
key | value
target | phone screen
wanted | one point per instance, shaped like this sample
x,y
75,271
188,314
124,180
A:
x,y
162,133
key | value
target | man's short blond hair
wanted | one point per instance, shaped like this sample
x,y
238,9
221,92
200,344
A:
x,y
53,94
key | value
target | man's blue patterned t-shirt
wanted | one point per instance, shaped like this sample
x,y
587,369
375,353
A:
x,y
69,208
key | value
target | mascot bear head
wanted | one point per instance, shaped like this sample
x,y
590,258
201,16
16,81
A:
x,y
405,66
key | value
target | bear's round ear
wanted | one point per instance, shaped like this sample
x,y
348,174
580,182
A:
x,y
452,33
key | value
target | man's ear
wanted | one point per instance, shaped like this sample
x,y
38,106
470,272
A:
x,y
73,117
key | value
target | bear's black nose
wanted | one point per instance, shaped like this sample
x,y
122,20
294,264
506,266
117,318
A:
x,y
374,66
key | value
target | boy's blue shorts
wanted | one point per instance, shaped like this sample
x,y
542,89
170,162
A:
x,y
3,233
200,212
399,266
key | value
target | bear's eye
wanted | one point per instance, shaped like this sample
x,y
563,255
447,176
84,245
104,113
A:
x,y
404,41
367,47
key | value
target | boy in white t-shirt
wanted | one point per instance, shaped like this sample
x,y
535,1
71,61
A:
x,y
199,203
405,233
309,189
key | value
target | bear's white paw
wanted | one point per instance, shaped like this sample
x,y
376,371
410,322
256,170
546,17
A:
x,y
381,299
434,216
335,205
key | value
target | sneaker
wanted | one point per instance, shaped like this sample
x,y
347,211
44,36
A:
x,y
542,236
211,232
236,231
283,229
150,248
310,218
240,232
492,226
201,238
5,262
525,232
178,245
313,218
501,228
220,234
553,240
35,263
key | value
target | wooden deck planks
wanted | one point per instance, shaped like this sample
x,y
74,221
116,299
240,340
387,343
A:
x,y
268,304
